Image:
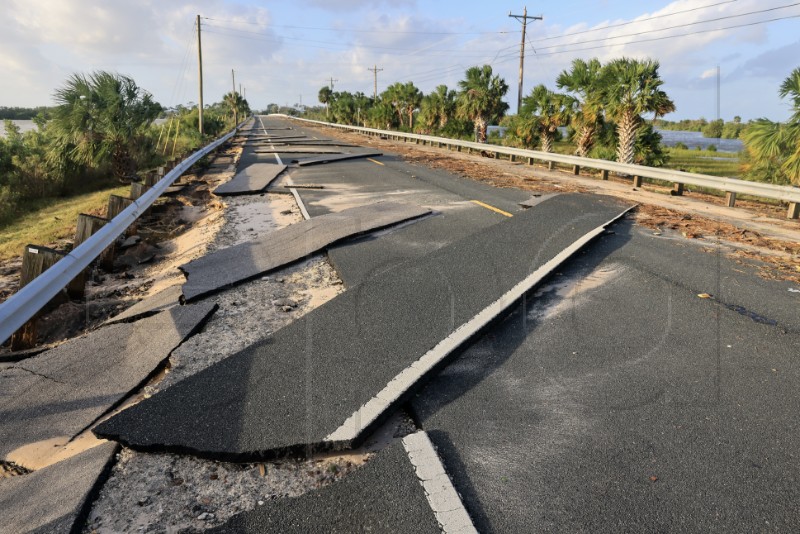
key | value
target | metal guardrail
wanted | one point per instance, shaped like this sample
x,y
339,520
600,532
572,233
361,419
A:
x,y
729,185
24,304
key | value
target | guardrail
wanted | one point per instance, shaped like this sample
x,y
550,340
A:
x,y
731,186
24,304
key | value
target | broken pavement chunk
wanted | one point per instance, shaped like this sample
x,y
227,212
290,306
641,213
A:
x,y
55,498
245,261
254,178
64,390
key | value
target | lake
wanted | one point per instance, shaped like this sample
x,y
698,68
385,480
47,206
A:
x,y
24,126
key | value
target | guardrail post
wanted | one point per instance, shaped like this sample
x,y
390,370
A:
x,y
576,170
794,210
138,189
116,204
550,165
637,181
605,174
730,199
677,190
35,261
151,178
86,227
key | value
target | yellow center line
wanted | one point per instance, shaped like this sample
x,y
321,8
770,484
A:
x,y
488,207
374,161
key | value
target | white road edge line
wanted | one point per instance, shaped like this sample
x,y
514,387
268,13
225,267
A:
x,y
295,194
405,380
442,496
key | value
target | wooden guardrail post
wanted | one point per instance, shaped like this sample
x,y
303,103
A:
x,y
730,199
576,170
605,174
637,181
86,227
151,178
116,205
677,189
794,210
550,165
35,261
138,189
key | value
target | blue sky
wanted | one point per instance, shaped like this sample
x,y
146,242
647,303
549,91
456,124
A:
x,y
283,51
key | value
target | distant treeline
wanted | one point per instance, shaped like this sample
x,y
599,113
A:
x,y
715,129
21,114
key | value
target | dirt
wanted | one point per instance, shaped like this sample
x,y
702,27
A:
x,y
754,231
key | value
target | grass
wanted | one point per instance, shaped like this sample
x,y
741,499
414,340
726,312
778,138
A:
x,y
700,161
50,219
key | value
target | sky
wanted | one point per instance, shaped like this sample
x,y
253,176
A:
x,y
284,51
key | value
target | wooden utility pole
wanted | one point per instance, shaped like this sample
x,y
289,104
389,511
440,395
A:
x,y
375,70
332,81
199,78
524,19
233,82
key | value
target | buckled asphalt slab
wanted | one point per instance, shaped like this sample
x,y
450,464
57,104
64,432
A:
x,y
163,300
245,261
253,178
385,495
55,499
619,398
291,392
335,158
64,390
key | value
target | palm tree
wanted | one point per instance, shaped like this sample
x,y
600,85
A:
x,y
631,88
324,96
584,80
775,147
101,118
544,111
238,105
481,99
438,107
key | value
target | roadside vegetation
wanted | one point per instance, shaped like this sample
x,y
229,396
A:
x,y
609,111
100,134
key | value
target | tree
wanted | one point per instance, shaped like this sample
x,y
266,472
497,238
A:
x,y
237,105
774,148
101,118
437,108
631,88
481,99
324,96
584,80
544,111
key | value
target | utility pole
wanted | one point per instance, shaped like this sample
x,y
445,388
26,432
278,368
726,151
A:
x,y
233,81
375,70
718,91
524,20
331,85
200,78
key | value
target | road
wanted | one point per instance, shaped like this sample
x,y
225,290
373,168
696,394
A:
x,y
643,382
616,398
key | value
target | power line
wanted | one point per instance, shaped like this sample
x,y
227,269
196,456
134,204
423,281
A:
x,y
673,27
634,21
665,36
361,30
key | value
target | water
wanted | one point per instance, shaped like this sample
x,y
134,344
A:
x,y
24,126
695,139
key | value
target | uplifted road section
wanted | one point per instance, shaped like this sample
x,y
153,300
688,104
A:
x,y
327,379
245,261
62,391
254,178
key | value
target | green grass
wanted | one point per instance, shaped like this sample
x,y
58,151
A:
x,y
50,219
701,162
